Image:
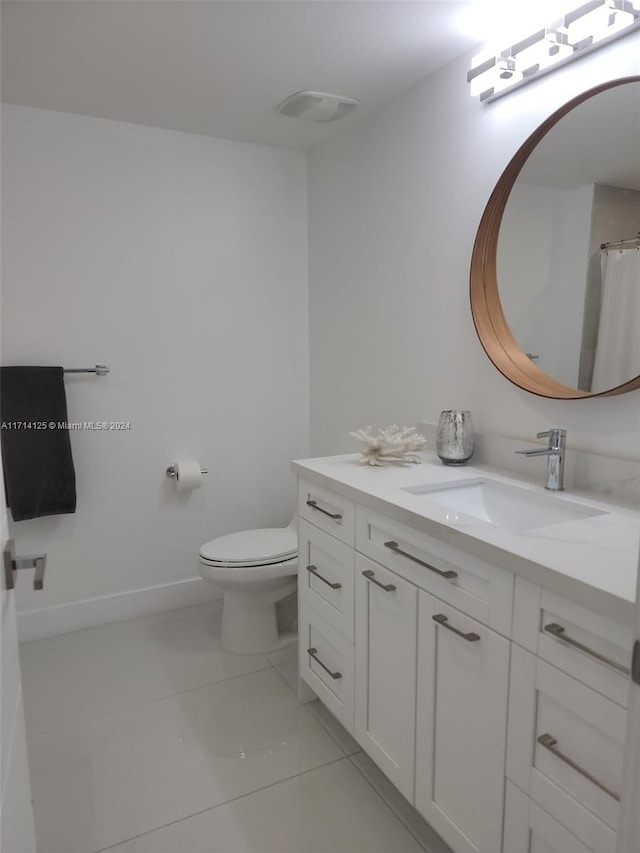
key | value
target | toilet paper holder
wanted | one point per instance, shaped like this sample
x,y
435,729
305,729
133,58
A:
x,y
171,471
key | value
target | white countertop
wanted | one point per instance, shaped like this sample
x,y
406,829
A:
x,y
594,560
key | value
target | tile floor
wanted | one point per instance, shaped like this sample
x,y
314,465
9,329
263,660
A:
x,y
145,737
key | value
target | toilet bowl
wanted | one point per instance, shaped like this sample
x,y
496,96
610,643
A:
x,y
255,569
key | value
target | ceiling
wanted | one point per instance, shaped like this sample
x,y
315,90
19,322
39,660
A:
x,y
220,67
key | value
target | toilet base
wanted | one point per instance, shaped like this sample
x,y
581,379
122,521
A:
x,y
249,620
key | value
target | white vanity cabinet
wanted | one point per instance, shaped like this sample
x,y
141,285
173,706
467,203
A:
x,y
463,678
495,706
401,667
386,629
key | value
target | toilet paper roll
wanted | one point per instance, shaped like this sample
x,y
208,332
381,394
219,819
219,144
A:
x,y
188,475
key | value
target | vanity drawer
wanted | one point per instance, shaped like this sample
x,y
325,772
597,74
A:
x,y
325,576
328,511
529,829
475,587
565,747
326,664
593,648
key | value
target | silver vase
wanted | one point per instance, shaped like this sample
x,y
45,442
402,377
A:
x,y
454,439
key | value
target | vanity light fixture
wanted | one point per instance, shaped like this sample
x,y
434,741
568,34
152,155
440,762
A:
x,y
578,31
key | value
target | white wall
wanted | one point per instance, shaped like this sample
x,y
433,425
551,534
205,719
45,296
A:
x,y
543,256
568,284
524,260
616,211
180,261
394,206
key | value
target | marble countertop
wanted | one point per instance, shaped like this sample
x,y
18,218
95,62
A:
x,y
594,560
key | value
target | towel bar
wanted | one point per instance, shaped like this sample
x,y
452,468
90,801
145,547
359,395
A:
x,y
99,370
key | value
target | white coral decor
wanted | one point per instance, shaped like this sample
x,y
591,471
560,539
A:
x,y
390,445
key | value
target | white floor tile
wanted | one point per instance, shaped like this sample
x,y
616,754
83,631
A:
x,y
103,781
403,809
337,731
330,810
287,654
80,681
110,629
286,662
289,671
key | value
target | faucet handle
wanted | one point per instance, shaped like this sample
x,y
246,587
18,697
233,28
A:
x,y
555,434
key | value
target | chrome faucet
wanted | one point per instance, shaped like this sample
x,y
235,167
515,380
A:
x,y
555,457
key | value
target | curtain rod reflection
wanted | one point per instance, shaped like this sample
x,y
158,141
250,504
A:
x,y
619,244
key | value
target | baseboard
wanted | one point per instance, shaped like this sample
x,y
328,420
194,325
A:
x,y
62,618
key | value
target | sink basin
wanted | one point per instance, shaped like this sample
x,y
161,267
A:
x,y
495,502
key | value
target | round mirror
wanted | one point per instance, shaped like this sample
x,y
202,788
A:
x,y
555,274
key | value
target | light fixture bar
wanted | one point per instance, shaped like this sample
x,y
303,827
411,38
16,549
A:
x,y
582,29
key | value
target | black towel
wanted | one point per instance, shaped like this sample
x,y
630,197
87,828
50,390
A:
x,y
38,467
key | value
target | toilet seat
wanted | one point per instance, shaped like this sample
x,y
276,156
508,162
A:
x,y
219,573
262,547
238,565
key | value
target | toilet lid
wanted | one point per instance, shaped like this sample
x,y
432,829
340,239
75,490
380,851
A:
x,y
271,544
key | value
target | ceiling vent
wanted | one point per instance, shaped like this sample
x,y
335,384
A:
x,y
317,106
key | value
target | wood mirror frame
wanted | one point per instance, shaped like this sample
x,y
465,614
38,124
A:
x,y
492,328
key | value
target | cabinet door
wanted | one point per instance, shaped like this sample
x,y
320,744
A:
x,y
463,677
463,580
385,682
326,664
327,510
529,829
325,576
592,647
566,748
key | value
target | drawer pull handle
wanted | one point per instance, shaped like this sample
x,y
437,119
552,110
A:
x,y
314,571
393,546
314,654
635,663
441,619
370,576
336,516
549,742
558,632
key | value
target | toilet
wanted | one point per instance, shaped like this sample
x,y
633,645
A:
x,y
255,569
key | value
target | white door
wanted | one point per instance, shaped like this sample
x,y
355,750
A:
x,y
629,827
16,815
